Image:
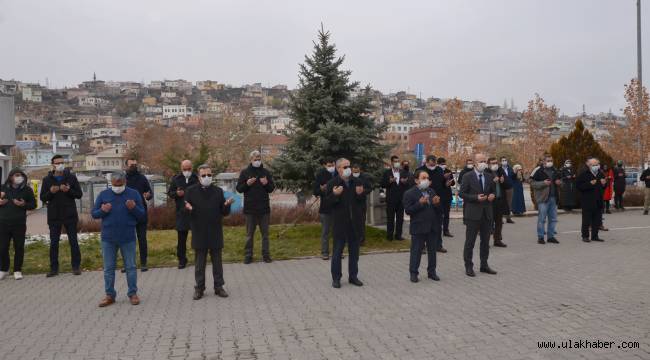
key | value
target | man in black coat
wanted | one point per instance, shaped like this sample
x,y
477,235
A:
x,y
323,176
512,176
346,196
619,185
256,183
420,204
446,195
207,207
177,187
138,182
591,184
367,189
500,205
478,191
59,191
469,166
395,181
645,177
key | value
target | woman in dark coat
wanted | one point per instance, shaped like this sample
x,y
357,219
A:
x,y
518,201
207,206
568,190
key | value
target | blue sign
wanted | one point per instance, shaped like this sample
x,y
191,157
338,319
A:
x,y
419,153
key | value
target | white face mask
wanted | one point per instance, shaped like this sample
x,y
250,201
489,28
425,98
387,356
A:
x,y
206,181
482,166
494,167
347,172
331,169
187,173
595,168
118,189
396,165
18,180
257,163
504,163
59,167
356,175
470,166
424,184
443,167
567,165
431,167
549,164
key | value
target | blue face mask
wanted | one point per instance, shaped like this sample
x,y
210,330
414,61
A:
x,y
58,178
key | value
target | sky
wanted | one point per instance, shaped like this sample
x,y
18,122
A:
x,y
571,52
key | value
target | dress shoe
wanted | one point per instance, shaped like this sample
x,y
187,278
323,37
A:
x,y
470,272
248,260
181,266
182,263
198,294
597,239
586,239
608,212
123,270
553,240
389,238
52,274
144,268
509,221
414,278
645,212
541,240
433,277
488,270
134,299
336,284
603,228
106,301
325,257
356,282
76,271
447,234
442,250
267,259
500,243
220,292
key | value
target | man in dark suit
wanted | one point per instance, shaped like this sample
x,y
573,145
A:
x,y
478,192
323,176
512,177
591,184
345,194
177,187
367,189
445,198
500,205
420,203
438,184
395,181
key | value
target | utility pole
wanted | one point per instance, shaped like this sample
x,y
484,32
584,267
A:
x,y
640,79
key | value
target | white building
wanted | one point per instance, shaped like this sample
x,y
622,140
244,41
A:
x,y
107,160
153,109
168,94
32,94
171,111
90,101
102,132
265,111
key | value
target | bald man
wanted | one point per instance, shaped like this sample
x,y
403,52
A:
x,y
177,187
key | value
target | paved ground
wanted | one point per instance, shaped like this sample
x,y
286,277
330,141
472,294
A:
x,y
287,310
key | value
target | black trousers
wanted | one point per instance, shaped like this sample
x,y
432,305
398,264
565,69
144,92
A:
x,y
340,240
618,200
252,222
141,232
394,220
418,241
446,210
55,237
477,227
15,232
591,219
499,211
201,259
181,247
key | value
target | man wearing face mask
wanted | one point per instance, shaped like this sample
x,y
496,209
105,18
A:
x,y
619,185
207,207
16,198
395,181
59,191
367,189
256,183
591,184
137,181
469,166
500,205
120,209
446,195
323,176
478,191
177,187
346,196
420,203
546,182
512,177
568,189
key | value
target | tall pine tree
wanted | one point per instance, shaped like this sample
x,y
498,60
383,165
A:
x,y
577,147
328,121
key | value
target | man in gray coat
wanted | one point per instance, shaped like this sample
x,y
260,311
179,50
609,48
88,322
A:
x,y
478,192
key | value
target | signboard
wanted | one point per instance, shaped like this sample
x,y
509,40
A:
x,y
419,153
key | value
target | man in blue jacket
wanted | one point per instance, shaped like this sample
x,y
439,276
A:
x,y
120,209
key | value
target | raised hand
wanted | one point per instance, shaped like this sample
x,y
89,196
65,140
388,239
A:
x,y
130,204
603,181
19,202
424,200
54,189
547,182
180,192
392,179
251,181
593,182
436,200
228,202
482,197
491,197
188,206
147,195
264,181
359,189
106,207
337,190
65,188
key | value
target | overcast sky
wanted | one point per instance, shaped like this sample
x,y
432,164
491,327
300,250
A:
x,y
572,52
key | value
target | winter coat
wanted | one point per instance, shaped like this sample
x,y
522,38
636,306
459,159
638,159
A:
x,y
256,196
180,182
61,206
206,218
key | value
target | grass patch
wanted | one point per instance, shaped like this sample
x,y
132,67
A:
x,y
299,241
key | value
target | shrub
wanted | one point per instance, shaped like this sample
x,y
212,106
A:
x,y
633,196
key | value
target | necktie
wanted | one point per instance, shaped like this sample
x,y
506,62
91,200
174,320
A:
x,y
480,181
